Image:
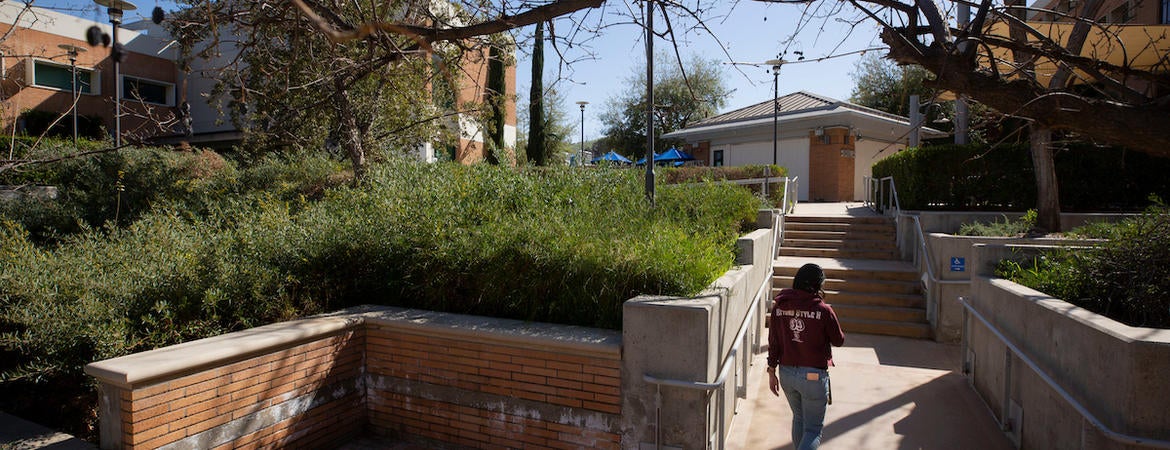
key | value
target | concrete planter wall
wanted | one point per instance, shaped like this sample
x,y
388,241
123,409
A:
x,y
449,379
938,228
948,248
1117,372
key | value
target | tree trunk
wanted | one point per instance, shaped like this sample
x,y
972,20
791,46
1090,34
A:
x,y
536,134
351,132
1047,189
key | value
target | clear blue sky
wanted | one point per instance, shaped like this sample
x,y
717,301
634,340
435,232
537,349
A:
x,y
750,31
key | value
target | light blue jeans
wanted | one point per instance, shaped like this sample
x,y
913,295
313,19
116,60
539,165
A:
x,y
808,399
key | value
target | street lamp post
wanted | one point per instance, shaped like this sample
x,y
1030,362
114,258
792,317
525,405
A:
x,y
650,101
114,9
581,153
775,63
73,51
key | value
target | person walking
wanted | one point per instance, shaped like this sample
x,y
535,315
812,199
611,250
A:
x,y
801,331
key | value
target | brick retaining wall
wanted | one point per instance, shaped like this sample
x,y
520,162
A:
x,y
487,395
420,376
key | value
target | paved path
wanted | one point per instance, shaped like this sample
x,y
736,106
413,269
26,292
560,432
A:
x,y
888,393
833,209
20,434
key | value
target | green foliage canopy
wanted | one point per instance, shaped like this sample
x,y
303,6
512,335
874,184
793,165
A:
x,y
684,94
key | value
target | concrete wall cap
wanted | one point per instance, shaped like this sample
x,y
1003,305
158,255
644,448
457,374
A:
x,y
1088,318
537,335
707,302
188,357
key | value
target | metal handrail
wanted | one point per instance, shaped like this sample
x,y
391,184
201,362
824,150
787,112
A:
x,y
1085,413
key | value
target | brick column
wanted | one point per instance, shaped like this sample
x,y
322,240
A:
x,y
831,164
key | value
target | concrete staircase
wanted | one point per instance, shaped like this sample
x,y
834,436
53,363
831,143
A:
x,y
871,291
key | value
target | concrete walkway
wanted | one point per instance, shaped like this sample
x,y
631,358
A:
x,y
851,209
888,393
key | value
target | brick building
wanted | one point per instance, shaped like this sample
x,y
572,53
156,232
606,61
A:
x,y
829,144
37,73
37,76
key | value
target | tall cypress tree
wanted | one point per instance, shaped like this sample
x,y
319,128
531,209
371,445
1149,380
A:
x,y
536,133
496,86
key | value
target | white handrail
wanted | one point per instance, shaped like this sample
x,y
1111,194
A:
x,y
1085,413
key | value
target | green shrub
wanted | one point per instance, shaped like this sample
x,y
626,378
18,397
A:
x,y
550,245
978,177
1127,278
1007,228
689,174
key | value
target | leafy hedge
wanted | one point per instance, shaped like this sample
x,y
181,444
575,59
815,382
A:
x,y
558,245
118,187
979,177
1127,278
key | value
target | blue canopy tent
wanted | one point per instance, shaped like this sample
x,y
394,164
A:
x,y
612,157
673,157
643,160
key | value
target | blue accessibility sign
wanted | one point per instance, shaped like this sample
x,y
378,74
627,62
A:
x,y
958,264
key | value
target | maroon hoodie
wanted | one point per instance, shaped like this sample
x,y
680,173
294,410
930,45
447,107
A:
x,y
802,328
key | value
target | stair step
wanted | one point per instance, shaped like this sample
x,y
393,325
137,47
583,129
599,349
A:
x,y
871,286
848,244
848,219
875,299
837,226
839,235
838,253
887,328
896,273
886,313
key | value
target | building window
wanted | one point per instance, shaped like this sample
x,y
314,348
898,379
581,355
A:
x,y
717,158
1166,11
1120,14
60,76
148,91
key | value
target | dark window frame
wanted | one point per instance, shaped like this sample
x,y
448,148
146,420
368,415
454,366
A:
x,y
85,77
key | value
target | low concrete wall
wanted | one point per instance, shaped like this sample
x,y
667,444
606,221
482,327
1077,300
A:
x,y
12,193
949,221
286,384
1117,372
938,228
946,249
687,340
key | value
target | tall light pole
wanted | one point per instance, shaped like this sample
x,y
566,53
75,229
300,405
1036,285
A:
x,y
73,51
114,9
775,63
650,101
581,153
